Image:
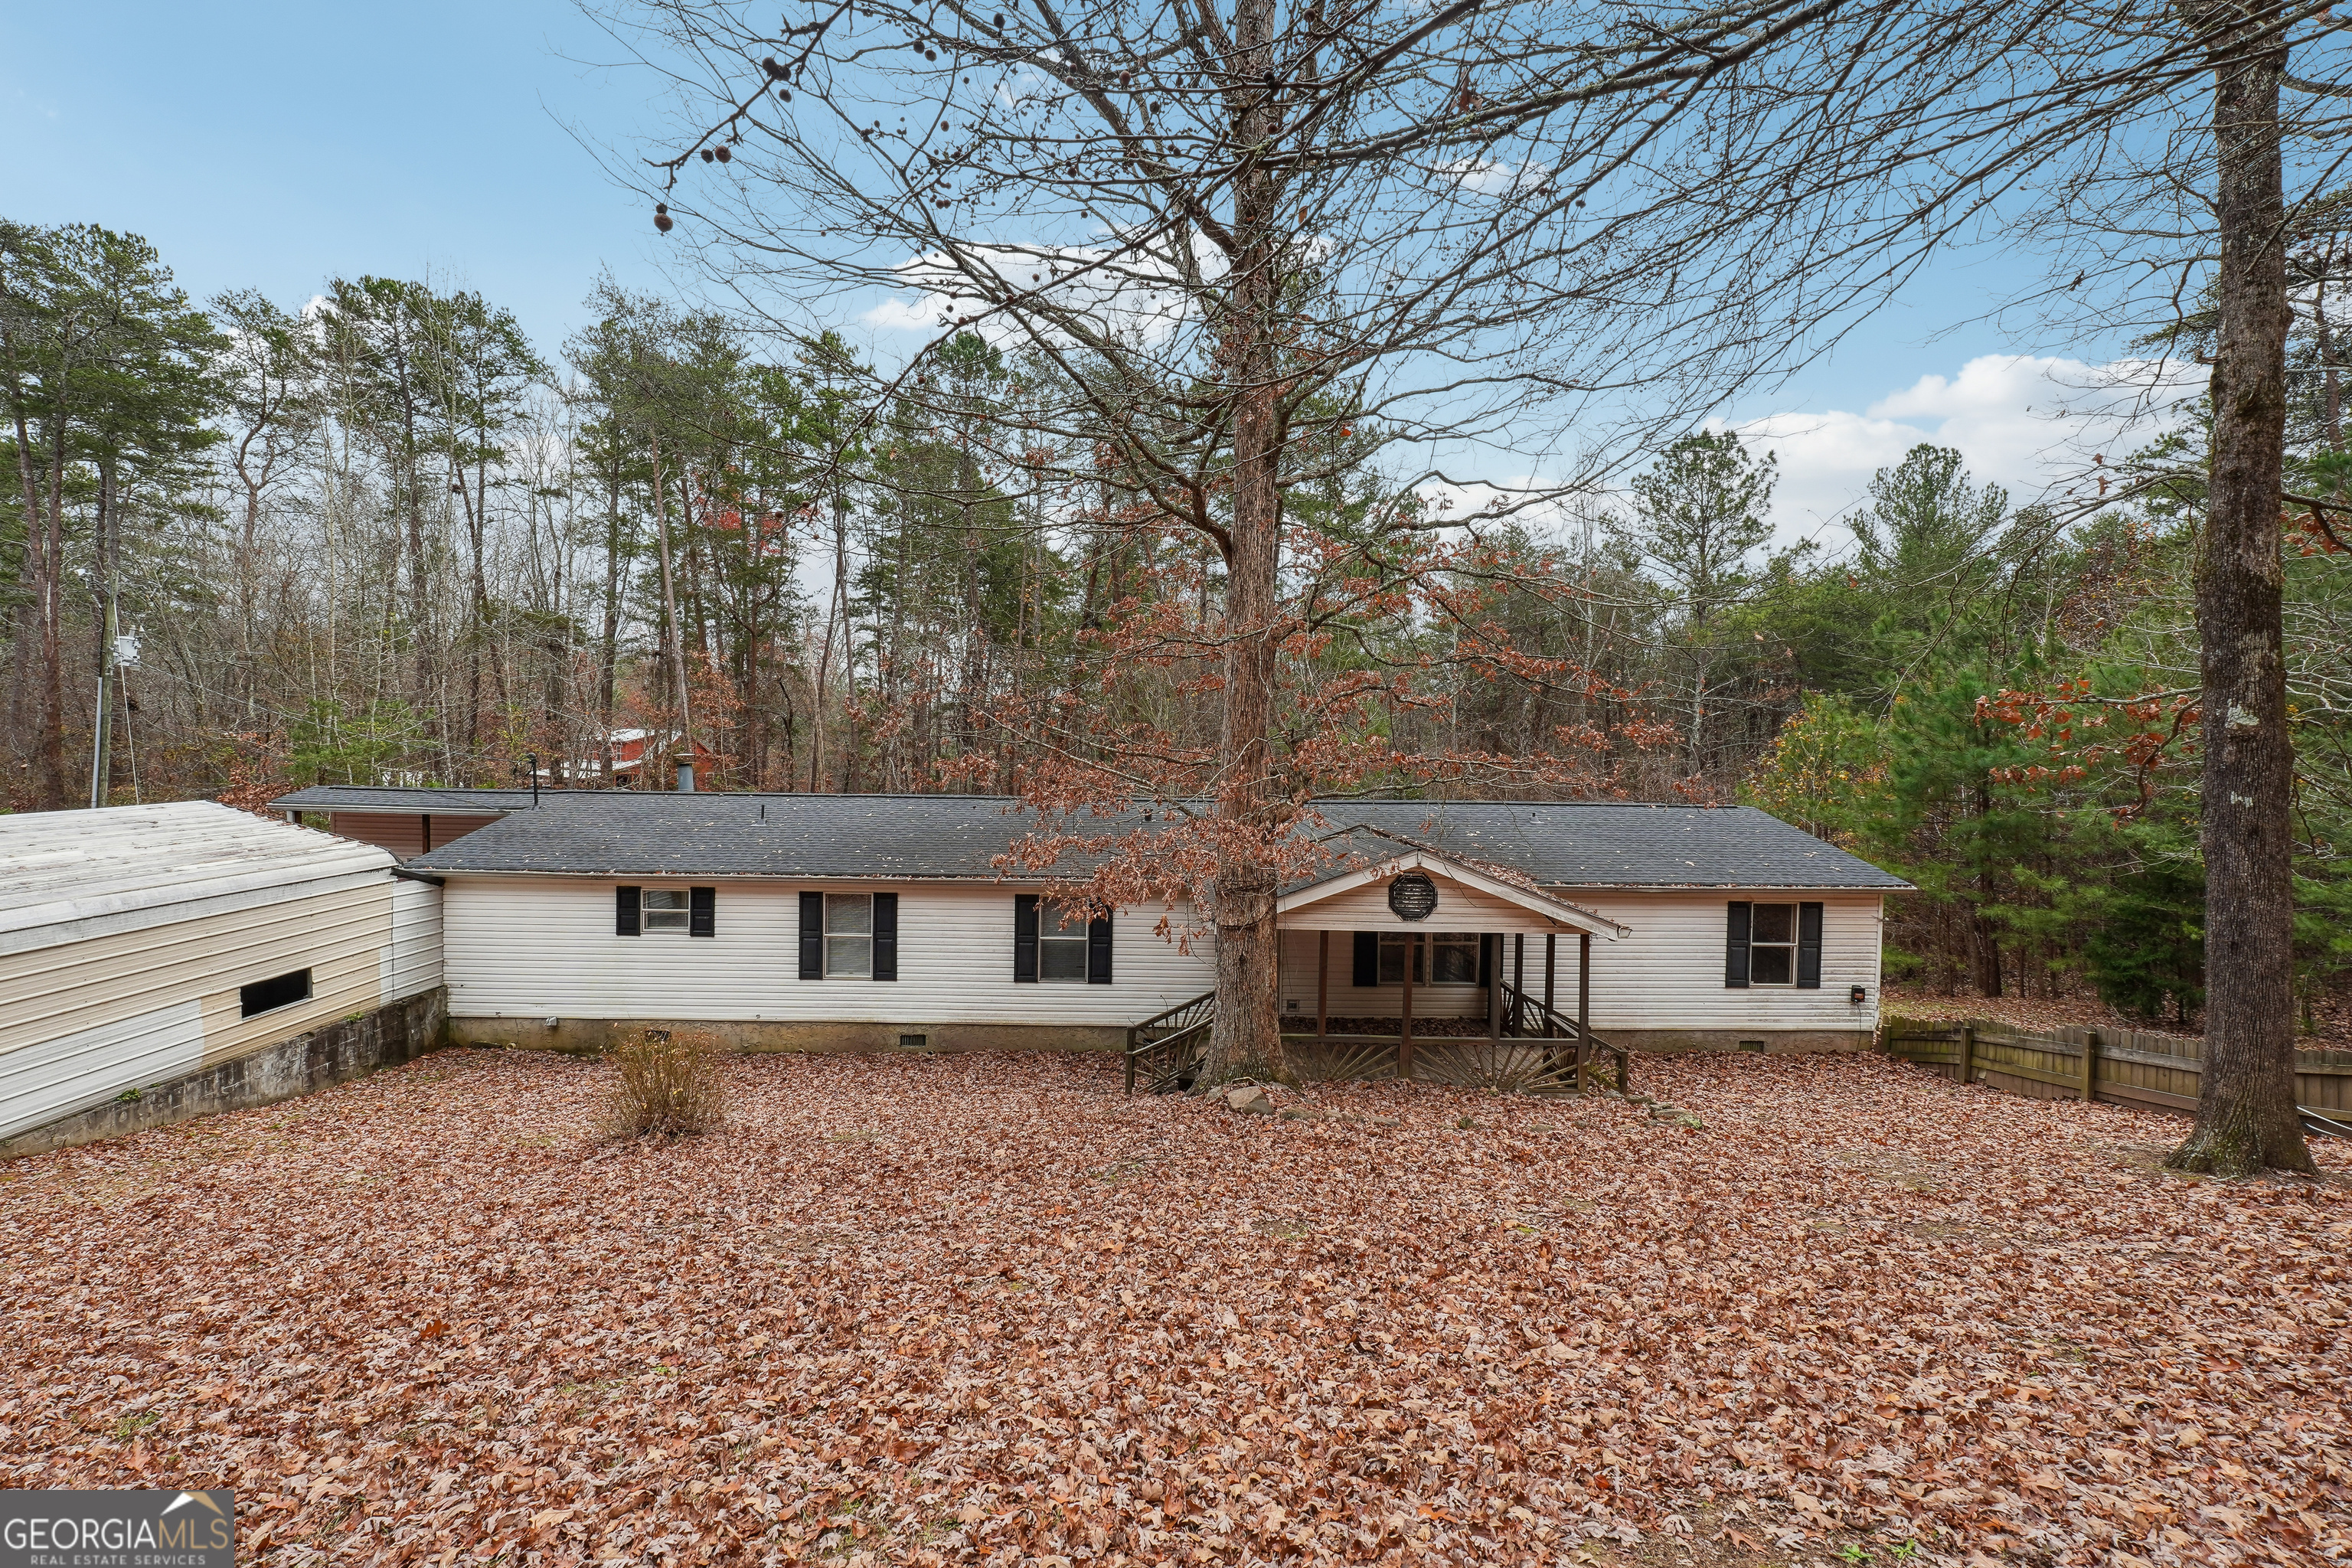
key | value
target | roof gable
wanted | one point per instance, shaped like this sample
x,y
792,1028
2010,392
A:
x,y
1469,898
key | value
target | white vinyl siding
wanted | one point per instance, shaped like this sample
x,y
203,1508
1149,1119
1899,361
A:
x,y
1667,973
527,946
410,964
82,1021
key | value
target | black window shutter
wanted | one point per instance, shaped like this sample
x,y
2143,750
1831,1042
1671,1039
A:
x,y
1734,948
624,911
811,936
886,936
1809,947
1368,960
1099,950
1025,938
1486,959
702,912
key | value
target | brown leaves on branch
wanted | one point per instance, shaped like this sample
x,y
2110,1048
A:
x,y
1377,642
2083,735
984,1309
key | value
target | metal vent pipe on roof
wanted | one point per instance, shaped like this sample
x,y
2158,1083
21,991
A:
x,y
685,778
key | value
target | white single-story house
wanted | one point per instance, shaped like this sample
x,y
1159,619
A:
x,y
141,944
868,921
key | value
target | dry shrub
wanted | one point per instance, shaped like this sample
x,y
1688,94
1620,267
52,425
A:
x,y
669,1084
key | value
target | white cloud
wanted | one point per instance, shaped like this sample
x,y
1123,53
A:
x,y
2030,424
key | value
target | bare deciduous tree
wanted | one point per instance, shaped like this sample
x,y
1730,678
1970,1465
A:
x,y
1254,248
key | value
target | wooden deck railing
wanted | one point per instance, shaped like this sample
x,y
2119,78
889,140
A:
x,y
2153,1073
1165,1049
1539,1052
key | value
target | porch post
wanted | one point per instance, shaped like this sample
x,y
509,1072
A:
x,y
1494,988
1551,953
1519,978
1583,1007
1404,1025
1322,984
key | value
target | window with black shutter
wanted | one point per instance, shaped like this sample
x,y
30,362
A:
x,y
1772,944
1024,939
1099,950
849,936
886,936
811,936
1064,950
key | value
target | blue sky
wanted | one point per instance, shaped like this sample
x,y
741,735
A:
x,y
274,145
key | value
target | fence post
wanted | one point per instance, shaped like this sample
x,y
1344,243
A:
x,y
2091,1065
1968,1052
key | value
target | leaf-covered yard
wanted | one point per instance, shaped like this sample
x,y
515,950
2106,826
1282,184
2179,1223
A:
x,y
936,1310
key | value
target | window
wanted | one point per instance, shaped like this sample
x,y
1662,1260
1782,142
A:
x,y
1452,955
1772,945
849,934
268,995
1062,944
663,909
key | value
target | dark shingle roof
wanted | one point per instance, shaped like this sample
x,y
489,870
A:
x,y
632,832
1623,844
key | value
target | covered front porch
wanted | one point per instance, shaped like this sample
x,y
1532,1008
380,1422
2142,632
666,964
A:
x,y
1417,965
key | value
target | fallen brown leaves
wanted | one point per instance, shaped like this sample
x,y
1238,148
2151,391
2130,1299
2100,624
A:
x,y
934,1310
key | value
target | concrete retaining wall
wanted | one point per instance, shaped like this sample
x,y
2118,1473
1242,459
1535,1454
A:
x,y
334,1054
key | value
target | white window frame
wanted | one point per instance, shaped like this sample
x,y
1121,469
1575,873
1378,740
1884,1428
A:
x,y
1755,946
1453,940
1051,933
865,937
647,910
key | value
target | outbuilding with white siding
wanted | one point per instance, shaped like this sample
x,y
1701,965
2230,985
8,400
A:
x,y
867,922
142,944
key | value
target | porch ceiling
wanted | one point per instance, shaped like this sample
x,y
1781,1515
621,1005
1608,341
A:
x,y
1468,899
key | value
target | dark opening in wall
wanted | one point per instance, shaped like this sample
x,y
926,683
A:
x,y
265,995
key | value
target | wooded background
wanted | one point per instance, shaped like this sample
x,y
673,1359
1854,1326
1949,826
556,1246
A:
x,y
385,536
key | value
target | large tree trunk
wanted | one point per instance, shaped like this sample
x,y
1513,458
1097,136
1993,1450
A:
x,y
102,581
2246,1117
1246,1039
23,691
49,665
609,655
669,614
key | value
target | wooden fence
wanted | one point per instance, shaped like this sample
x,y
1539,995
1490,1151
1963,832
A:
x,y
2150,1072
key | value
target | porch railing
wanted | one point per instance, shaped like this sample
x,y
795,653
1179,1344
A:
x,y
1539,1051
1527,1017
1164,1051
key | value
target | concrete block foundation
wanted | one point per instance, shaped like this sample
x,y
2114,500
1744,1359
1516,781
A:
x,y
334,1054
593,1036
